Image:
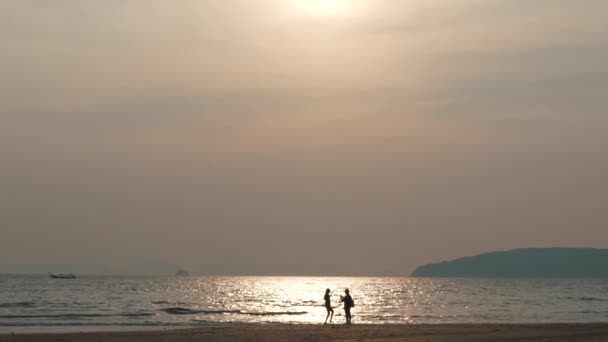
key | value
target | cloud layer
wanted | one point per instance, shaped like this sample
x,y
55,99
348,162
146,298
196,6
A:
x,y
238,132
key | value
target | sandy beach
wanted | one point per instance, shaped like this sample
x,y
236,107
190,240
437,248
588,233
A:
x,y
447,332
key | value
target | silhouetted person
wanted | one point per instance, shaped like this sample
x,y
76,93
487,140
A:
x,y
330,310
348,303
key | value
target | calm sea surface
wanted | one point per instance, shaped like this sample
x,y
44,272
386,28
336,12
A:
x,y
192,301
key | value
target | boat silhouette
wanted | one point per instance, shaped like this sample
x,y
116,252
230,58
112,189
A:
x,y
62,276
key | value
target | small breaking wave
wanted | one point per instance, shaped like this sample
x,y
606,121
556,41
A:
x,y
387,317
587,299
592,299
279,313
142,314
185,311
166,302
17,305
99,324
592,312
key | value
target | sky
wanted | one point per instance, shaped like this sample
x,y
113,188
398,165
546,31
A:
x,y
299,136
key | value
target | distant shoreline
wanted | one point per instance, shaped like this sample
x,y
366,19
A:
x,y
305,332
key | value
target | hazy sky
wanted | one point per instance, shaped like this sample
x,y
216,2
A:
x,y
364,136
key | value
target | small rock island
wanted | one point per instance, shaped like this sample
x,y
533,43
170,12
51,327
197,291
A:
x,y
182,273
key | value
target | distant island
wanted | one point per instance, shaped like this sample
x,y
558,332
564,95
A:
x,y
524,263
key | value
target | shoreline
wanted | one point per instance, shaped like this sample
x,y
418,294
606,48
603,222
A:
x,y
319,332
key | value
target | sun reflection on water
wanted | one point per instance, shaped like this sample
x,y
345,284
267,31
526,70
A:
x,y
285,299
220,300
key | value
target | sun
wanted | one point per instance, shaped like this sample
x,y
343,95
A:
x,y
322,8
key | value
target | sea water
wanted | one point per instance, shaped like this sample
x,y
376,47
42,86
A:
x,y
197,301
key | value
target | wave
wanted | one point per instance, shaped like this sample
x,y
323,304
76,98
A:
x,y
592,299
100,324
592,312
17,305
441,316
168,302
185,311
386,317
192,323
279,313
142,314
588,299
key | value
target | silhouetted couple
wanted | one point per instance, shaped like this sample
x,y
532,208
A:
x,y
348,304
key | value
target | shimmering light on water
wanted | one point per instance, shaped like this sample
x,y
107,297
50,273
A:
x,y
126,301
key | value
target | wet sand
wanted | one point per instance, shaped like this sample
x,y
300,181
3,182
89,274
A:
x,y
444,332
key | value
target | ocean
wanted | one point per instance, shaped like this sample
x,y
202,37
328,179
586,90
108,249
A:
x,y
118,301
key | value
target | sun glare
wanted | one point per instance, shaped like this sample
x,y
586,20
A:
x,y
322,8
